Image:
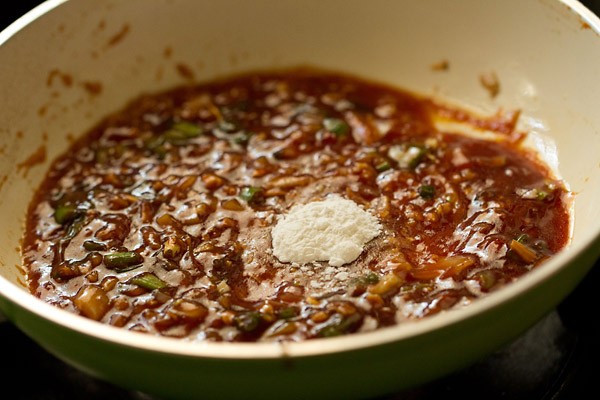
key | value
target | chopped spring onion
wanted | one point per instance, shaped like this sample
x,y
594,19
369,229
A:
x,y
188,129
175,136
248,321
179,133
154,142
148,281
287,312
486,279
337,126
65,213
242,138
370,278
408,157
338,325
251,194
542,194
383,166
427,192
123,261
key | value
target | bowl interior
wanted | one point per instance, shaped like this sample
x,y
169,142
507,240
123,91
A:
x,y
77,61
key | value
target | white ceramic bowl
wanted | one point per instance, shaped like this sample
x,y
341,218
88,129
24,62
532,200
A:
x,y
66,64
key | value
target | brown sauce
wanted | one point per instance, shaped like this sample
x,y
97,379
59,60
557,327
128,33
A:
x,y
158,220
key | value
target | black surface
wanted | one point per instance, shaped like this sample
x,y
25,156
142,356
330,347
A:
x,y
556,359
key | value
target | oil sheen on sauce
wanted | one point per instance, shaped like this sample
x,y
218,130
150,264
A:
x,y
159,219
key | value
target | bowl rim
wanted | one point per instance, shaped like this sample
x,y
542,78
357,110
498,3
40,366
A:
x,y
314,347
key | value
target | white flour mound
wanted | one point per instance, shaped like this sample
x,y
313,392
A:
x,y
333,230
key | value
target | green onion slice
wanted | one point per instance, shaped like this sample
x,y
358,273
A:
x,y
383,166
338,126
65,213
250,193
247,321
189,129
427,191
148,281
123,261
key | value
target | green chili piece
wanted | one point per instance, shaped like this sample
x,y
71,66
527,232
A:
x,y
248,321
251,193
287,313
367,279
370,278
65,213
330,331
384,166
161,152
123,261
154,142
242,138
487,279
415,155
189,129
541,194
179,133
148,281
175,136
338,325
338,126
427,191
408,156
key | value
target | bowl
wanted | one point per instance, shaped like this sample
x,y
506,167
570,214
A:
x,y
66,64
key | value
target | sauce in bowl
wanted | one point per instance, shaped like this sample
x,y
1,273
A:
x,y
163,218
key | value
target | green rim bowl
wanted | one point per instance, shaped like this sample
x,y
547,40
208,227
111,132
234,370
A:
x,y
66,64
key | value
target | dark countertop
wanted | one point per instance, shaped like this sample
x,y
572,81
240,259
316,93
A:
x,y
556,359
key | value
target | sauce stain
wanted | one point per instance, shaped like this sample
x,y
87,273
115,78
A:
x,y
3,180
159,74
490,83
119,36
185,71
441,66
66,79
93,88
42,110
37,157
